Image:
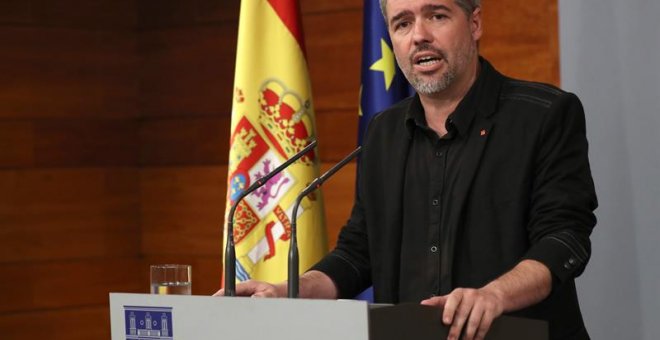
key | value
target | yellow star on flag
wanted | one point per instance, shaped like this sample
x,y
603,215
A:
x,y
385,64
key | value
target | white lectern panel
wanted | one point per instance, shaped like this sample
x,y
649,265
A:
x,y
181,317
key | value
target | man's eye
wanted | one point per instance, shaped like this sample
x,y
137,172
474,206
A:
x,y
439,16
402,24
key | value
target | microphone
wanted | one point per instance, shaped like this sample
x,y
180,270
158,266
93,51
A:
x,y
294,264
230,249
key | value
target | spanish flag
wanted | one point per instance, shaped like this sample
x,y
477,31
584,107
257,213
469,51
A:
x,y
272,119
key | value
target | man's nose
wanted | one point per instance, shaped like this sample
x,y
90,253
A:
x,y
421,33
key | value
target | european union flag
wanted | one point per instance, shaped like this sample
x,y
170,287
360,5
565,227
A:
x,y
383,84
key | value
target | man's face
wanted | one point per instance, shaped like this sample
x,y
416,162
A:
x,y
434,41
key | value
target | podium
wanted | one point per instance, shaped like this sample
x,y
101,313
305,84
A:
x,y
184,317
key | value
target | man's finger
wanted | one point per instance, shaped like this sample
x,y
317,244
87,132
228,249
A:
x,y
474,320
484,326
461,315
453,301
435,301
246,288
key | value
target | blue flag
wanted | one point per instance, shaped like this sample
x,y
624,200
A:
x,y
383,83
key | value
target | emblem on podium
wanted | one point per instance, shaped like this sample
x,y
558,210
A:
x,y
152,323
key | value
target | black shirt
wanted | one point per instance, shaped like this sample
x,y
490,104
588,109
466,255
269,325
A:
x,y
431,171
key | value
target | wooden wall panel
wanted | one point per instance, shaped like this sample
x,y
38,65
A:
x,y
98,142
334,59
69,213
68,143
16,144
156,14
85,323
182,210
337,134
323,7
62,72
338,197
521,38
67,284
187,71
69,191
182,217
87,14
180,141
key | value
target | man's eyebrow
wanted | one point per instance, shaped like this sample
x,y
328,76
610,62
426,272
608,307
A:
x,y
399,16
434,7
425,8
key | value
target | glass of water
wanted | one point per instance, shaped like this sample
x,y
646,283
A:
x,y
171,279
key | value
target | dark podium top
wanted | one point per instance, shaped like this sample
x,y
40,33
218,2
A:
x,y
418,322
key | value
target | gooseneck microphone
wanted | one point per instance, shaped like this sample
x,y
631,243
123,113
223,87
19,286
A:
x,y
230,249
294,259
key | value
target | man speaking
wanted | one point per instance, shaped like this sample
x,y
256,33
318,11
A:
x,y
475,195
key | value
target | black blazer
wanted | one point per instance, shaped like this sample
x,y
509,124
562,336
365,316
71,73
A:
x,y
524,191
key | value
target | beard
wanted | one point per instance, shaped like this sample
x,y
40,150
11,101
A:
x,y
435,85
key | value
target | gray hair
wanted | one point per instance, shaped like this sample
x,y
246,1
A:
x,y
468,6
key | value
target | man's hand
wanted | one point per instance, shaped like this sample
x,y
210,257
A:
x,y
474,309
257,289
528,283
313,285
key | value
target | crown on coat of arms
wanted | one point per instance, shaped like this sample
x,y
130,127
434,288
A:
x,y
284,117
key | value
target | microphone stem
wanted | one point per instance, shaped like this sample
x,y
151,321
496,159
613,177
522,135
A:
x,y
294,258
293,277
230,263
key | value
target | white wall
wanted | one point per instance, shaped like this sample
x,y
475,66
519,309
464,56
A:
x,y
610,57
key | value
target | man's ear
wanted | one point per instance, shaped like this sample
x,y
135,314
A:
x,y
476,24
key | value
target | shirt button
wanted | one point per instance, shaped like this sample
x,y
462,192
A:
x,y
572,260
438,153
434,249
435,202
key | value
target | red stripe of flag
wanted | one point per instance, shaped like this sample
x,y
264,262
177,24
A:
x,y
289,13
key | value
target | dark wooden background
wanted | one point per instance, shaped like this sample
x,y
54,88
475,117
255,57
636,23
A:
x,y
114,129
